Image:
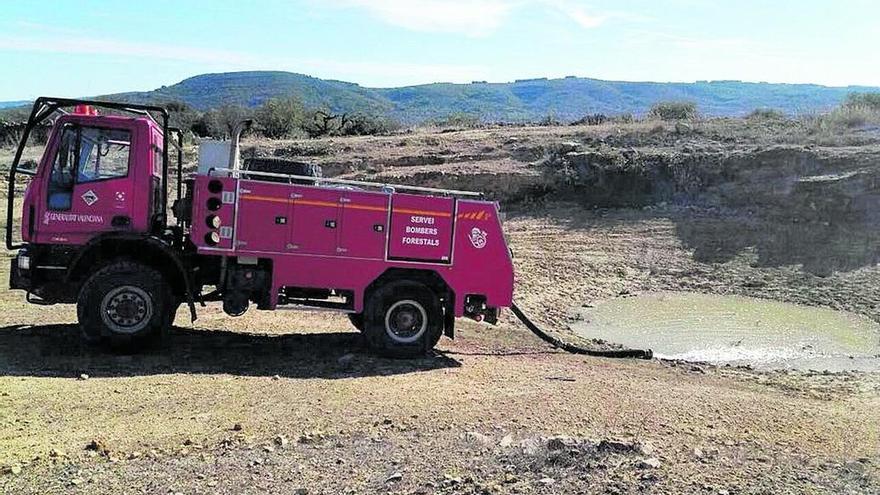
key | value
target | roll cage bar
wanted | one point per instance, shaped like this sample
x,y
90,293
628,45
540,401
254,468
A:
x,y
44,107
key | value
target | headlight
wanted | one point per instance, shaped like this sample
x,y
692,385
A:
x,y
212,238
24,262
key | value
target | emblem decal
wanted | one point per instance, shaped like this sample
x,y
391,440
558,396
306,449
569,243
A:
x,y
90,197
478,238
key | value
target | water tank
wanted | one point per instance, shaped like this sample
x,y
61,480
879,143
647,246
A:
x,y
213,154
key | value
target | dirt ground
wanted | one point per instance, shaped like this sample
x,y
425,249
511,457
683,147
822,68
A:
x,y
290,402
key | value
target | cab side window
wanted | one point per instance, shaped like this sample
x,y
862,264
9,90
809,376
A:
x,y
87,154
104,154
61,180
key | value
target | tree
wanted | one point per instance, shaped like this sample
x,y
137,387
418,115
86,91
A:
x,y
281,117
674,110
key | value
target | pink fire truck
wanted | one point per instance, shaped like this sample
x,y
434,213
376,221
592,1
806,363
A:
x,y
403,262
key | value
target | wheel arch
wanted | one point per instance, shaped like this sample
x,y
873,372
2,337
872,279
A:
x,y
145,249
429,278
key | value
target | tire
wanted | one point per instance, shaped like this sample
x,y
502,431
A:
x,y
403,319
357,320
125,305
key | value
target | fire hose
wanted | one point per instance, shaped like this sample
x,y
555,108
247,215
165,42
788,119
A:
x,y
569,347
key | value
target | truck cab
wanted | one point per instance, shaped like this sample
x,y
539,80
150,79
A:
x,y
91,179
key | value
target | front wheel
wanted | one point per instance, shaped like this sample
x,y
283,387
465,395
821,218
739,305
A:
x,y
403,319
124,304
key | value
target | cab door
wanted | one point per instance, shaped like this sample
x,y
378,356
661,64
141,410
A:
x,y
88,188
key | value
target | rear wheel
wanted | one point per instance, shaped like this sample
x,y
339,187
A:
x,y
403,319
125,305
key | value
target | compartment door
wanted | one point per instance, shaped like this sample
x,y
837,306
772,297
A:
x,y
315,227
263,216
364,225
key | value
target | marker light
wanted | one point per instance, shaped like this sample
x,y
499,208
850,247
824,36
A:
x,y
213,222
215,187
212,238
85,110
214,204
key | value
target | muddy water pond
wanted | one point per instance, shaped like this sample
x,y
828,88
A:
x,y
736,330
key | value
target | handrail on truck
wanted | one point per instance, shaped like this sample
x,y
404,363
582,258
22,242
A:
x,y
320,180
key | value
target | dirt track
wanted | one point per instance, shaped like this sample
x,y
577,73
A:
x,y
317,413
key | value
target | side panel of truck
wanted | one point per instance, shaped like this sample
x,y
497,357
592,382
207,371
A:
x,y
343,239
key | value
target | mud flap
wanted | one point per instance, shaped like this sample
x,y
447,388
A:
x,y
449,320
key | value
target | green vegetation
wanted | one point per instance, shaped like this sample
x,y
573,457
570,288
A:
x,y
567,100
857,110
766,114
458,120
863,100
281,117
674,110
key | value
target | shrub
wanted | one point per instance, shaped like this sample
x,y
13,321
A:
x,y
674,110
367,125
459,119
766,114
550,120
867,100
591,119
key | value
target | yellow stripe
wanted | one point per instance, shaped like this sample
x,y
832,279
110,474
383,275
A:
x,y
310,202
444,214
354,206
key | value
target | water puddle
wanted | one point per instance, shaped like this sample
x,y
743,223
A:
x,y
736,330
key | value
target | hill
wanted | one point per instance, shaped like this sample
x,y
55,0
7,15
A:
x,y
523,100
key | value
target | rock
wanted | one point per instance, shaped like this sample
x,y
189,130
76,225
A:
x,y
561,442
301,491
568,147
281,440
77,481
276,377
15,469
697,452
394,477
268,448
449,479
546,481
645,448
531,446
237,427
83,376
99,446
507,441
618,446
649,463
478,438
311,437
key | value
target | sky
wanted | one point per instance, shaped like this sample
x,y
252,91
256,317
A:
x,y
73,48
